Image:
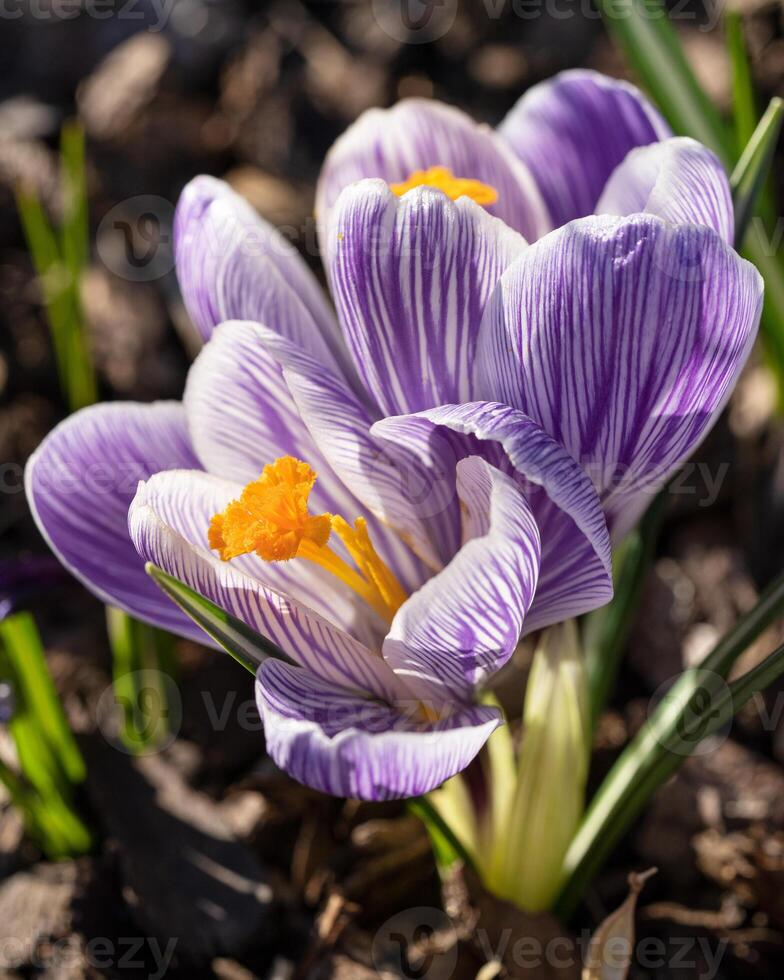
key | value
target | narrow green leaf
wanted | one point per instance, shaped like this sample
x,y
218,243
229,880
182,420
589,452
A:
x,y
25,652
52,278
48,819
60,259
49,760
447,848
75,246
743,102
719,703
237,639
763,248
142,659
75,233
638,771
38,821
749,176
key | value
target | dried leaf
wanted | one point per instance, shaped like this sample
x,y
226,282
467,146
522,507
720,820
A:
x,y
612,945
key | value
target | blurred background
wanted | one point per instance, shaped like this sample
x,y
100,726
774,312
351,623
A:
x,y
203,859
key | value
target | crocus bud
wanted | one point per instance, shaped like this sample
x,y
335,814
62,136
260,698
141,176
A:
x,y
549,795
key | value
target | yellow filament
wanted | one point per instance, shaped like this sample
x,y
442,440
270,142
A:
x,y
271,519
375,571
444,180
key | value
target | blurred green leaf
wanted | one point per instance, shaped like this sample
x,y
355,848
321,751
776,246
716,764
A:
x,y
60,259
42,243
49,760
142,661
744,109
75,232
26,655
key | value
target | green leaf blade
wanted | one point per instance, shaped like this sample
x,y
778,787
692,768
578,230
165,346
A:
x,y
751,172
657,750
237,639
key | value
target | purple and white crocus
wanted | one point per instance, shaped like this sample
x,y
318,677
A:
x,y
504,385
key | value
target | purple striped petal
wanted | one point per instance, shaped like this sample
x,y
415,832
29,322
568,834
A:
x,y
464,624
292,604
680,180
410,277
79,484
573,130
417,134
241,414
340,426
232,265
576,571
623,338
345,745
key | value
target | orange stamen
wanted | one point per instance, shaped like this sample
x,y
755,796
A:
x,y
271,519
444,180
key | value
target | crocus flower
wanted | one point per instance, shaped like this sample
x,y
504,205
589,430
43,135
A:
x,y
394,495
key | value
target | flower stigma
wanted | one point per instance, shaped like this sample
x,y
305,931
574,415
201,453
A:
x,y
271,519
442,179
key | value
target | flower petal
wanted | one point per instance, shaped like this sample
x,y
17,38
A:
x,y
576,569
79,484
295,607
680,180
344,745
623,338
233,265
340,426
464,624
410,277
242,416
417,134
573,130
